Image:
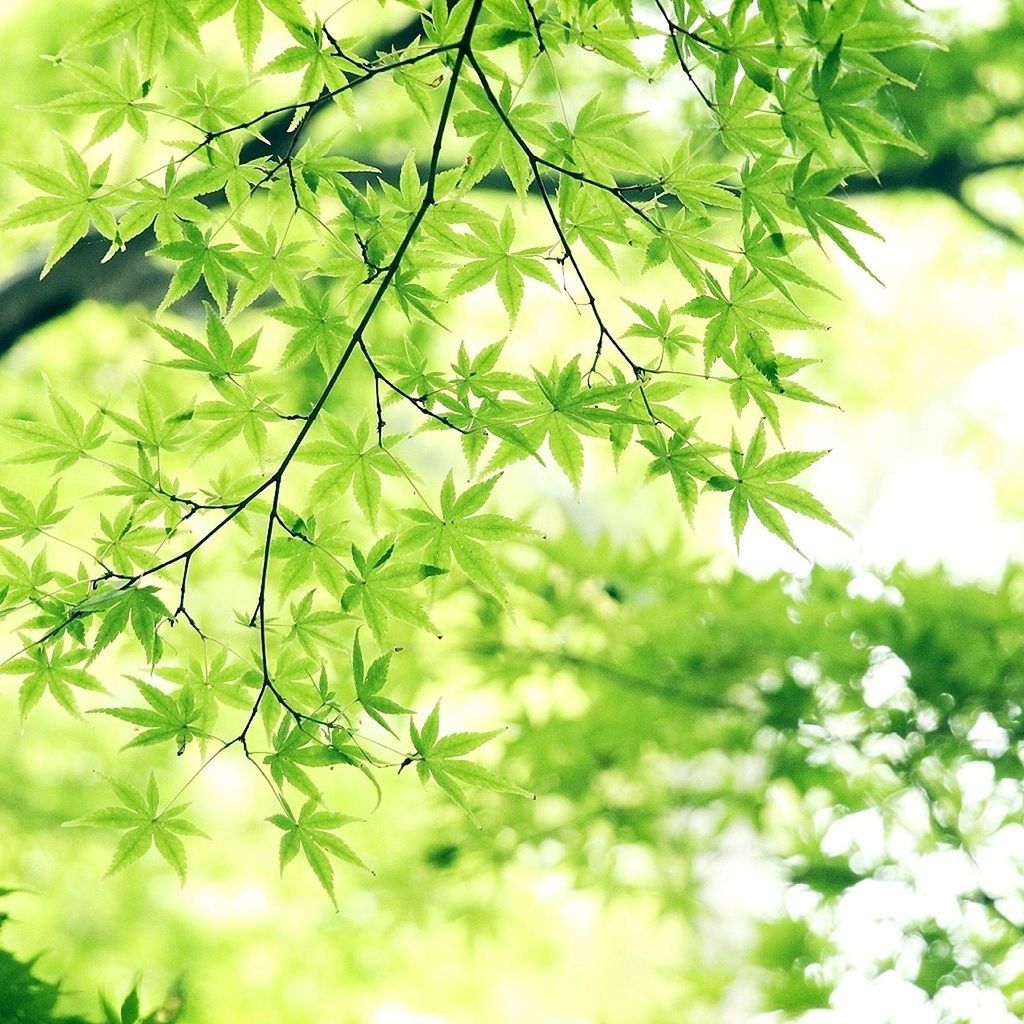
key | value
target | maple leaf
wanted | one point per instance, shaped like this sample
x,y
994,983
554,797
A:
x,y
460,532
369,682
312,833
443,761
75,200
493,259
761,484
380,588
144,825
52,669
219,357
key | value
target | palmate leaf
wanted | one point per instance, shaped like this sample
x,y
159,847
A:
x,y
53,669
679,241
650,408
156,426
169,718
219,357
824,215
214,681
312,550
381,588
116,100
75,201
491,258
154,22
369,682
271,263
658,325
460,532
248,17
771,254
295,749
698,186
761,486
596,143
312,834
144,825
19,517
685,460
316,59
442,760
318,328
126,541
138,605
840,99
64,443
597,219
751,384
24,579
239,413
479,376
746,309
167,205
493,144
356,461
313,629
199,257
558,407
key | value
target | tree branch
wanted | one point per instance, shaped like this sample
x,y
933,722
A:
x,y
26,302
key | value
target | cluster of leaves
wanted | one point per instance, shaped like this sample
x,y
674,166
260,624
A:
x,y
862,732
969,125
783,94
28,998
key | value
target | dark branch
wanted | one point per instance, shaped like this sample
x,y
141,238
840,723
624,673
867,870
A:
x,y
26,302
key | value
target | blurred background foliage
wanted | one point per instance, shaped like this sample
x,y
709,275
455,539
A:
x,y
762,789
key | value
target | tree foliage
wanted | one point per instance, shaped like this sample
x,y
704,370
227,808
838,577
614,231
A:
x,y
355,371
857,737
968,115
859,732
27,998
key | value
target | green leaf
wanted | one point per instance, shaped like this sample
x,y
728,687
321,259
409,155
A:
x,y
75,201
68,440
759,488
51,669
248,26
461,535
130,1007
456,744
493,259
441,760
312,832
168,718
382,588
369,685
219,357
144,827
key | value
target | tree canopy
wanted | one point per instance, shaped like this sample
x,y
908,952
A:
x,y
396,265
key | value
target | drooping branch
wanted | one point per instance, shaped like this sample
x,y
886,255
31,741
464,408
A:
x,y
275,481
537,166
380,247
26,302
